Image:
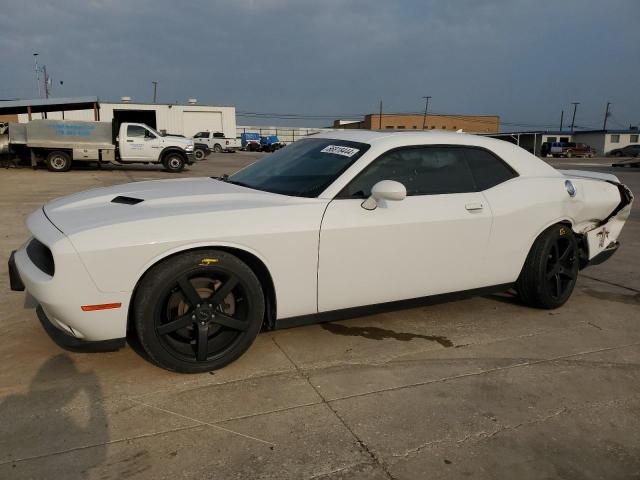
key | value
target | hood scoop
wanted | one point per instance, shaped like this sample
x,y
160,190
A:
x,y
126,200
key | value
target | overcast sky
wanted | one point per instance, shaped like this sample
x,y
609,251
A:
x,y
524,60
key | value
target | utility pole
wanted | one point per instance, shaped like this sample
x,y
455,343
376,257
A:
x,y
37,72
46,81
155,87
426,109
606,115
561,119
380,124
573,120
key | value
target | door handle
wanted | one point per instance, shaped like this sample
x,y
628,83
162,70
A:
x,y
474,206
130,141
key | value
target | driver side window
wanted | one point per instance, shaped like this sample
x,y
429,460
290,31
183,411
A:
x,y
422,170
136,131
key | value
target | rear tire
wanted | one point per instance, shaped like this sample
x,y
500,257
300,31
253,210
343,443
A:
x,y
550,270
198,311
58,162
173,162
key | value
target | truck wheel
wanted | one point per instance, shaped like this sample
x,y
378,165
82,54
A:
x,y
173,162
569,154
217,148
199,154
58,162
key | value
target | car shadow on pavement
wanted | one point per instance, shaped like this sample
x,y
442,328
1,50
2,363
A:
x,y
61,411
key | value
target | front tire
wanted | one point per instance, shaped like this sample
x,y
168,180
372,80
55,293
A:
x,y
550,270
199,154
174,162
198,311
217,148
58,162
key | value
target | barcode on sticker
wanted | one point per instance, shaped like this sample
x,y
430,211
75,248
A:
x,y
338,150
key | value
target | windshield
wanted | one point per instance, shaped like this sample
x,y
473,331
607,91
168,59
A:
x,y
302,169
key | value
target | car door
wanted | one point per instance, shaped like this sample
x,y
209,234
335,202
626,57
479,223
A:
x,y
140,144
431,242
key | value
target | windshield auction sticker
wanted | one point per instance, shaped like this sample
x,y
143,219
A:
x,y
338,150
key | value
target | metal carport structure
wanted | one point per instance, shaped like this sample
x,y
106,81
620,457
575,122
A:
x,y
47,105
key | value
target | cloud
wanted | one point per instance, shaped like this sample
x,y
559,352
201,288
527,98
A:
x,y
523,60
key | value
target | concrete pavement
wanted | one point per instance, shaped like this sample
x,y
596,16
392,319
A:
x,y
481,387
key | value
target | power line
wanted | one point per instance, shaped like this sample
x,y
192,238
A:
x,y
480,121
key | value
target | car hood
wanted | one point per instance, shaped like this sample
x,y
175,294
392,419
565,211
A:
x,y
177,141
152,199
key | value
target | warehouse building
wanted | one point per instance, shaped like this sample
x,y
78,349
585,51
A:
x,y
603,141
178,119
606,140
397,121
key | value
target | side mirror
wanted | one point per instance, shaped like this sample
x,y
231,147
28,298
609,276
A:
x,y
385,190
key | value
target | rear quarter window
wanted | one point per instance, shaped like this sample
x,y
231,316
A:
x,y
488,170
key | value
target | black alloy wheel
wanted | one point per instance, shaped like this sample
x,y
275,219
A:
x,y
560,272
198,311
551,269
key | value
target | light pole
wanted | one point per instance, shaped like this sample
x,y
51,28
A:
x,y
426,109
606,115
573,120
155,86
35,69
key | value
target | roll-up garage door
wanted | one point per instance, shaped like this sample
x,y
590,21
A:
x,y
198,121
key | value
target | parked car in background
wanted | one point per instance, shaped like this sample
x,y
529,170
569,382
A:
x,y
250,141
571,149
217,142
270,143
628,151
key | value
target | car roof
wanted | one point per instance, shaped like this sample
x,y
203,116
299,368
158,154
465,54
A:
x,y
391,139
522,161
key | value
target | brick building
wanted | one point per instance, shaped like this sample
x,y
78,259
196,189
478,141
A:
x,y
397,121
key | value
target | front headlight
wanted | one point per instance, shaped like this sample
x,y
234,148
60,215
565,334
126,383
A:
x,y
189,148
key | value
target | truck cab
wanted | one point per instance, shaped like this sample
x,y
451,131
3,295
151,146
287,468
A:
x,y
138,142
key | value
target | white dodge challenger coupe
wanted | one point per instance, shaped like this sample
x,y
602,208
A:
x,y
195,267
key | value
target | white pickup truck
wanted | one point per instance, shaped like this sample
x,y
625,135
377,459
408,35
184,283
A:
x,y
215,141
59,143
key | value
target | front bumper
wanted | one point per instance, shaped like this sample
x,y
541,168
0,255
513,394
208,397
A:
x,y
15,282
191,158
62,295
74,344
